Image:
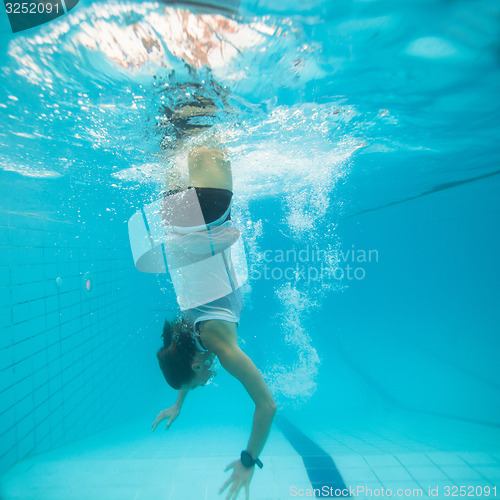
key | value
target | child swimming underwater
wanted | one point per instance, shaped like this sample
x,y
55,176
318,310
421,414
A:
x,y
196,241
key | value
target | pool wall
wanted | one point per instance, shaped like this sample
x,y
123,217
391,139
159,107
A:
x,y
73,361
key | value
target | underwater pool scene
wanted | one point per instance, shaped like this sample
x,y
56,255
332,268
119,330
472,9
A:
x,y
364,140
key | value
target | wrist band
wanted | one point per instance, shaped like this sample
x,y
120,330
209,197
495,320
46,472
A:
x,y
248,461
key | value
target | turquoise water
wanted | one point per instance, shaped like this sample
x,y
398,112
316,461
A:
x,y
364,144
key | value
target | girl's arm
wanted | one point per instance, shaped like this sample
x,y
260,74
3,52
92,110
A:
x,y
181,397
171,413
220,338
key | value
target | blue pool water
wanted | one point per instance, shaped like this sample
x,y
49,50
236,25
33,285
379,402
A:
x,y
363,138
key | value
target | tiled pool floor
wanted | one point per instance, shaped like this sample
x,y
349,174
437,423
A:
x,y
383,450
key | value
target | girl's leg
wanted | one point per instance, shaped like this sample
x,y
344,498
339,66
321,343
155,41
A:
x,y
209,167
208,162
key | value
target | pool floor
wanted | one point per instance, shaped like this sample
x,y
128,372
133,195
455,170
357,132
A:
x,y
396,450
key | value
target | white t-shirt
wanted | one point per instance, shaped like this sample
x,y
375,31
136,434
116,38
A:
x,y
206,261
227,308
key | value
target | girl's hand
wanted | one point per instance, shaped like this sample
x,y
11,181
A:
x,y
241,477
171,413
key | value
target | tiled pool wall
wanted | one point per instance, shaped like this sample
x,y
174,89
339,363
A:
x,y
421,330
77,343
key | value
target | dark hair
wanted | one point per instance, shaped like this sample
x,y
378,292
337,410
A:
x,y
176,355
